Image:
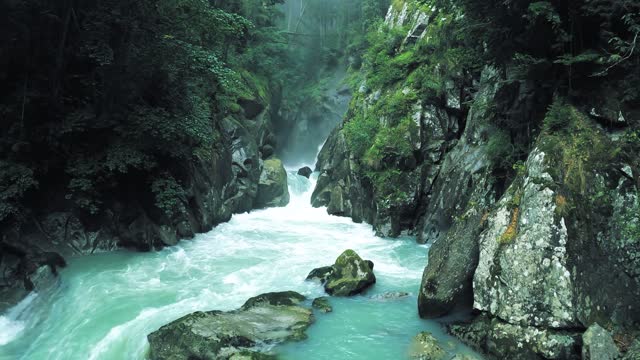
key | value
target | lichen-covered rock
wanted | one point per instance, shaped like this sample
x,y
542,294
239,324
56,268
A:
x,y
426,347
597,344
350,275
508,341
522,275
270,318
322,304
273,190
464,179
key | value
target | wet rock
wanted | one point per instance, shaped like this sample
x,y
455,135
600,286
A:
x,y
465,357
267,151
350,275
464,179
252,355
527,240
598,344
283,298
269,319
321,274
305,171
272,188
390,295
426,347
322,304
508,341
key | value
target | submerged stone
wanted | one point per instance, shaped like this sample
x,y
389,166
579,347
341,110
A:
x,y
390,295
322,304
266,319
426,347
350,275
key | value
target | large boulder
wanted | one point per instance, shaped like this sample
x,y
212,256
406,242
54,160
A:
x,y
598,344
273,190
271,319
350,275
305,171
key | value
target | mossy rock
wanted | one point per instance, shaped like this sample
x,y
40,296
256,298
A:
x,y
321,273
322,304
350,275
284,298
273,190
426,347
271,319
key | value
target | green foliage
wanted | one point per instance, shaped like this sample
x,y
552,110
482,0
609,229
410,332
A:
x,y
170,197
15,181
396,141
385,65
391,184
500,150
580,150
360,133
559,116
136,89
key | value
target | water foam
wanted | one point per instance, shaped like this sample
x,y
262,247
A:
x,y
11,324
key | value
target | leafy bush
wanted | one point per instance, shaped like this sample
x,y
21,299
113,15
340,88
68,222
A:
x,y
360,132
169,195
398,140
559,116
500,150
15,181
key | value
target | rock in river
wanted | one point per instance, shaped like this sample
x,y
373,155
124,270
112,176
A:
x,y
266,319
426,347
322,304
305,171
350,275
273,190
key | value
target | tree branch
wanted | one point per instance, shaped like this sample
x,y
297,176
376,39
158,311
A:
x,y
605,71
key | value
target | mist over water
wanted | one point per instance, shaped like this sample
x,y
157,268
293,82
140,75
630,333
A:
x,y
105,305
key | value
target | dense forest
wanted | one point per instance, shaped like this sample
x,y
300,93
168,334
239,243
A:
x,y
479,127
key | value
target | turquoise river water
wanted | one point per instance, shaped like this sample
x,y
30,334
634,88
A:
x,y
104,305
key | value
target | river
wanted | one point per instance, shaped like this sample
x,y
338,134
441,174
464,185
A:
x,y
104,305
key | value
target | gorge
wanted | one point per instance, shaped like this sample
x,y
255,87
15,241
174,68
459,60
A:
x,y
481,158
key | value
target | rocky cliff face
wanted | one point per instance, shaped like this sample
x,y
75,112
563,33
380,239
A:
x,y
230,182
540,252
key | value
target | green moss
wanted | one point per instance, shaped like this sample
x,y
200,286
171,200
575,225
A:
x,y
397,141
560,116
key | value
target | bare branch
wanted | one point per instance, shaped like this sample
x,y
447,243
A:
x,y
605,71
